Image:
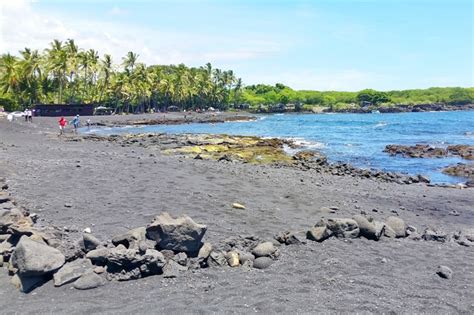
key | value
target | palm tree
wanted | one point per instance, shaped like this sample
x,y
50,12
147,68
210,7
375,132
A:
x,y
57,64
10,76
72,52
129,61
237,92
31,74
93,57
106,70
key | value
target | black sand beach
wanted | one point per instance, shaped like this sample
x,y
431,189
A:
x,y
111,189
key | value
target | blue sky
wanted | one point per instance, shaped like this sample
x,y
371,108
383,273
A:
x,y
320,45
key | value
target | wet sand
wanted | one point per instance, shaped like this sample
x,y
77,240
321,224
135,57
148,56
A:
x,y
112,188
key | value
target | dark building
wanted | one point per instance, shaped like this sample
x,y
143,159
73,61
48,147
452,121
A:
x,y
64,110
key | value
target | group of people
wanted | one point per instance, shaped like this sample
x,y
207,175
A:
x,y
28,114
75,122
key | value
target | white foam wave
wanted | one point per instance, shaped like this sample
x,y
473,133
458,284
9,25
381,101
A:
x,y
301,142
380,124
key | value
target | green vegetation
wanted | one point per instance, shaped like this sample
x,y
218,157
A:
x,y
64,73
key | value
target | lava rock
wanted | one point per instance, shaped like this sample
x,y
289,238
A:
x,y
264,249
35,259
89,280
99,255
262,262
172,269
71,271
89,242
444,272
370,230
180,235
434,235
131,239
345,228
217,259
397,225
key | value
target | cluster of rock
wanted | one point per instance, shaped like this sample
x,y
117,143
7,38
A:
x,y
405,108
178,120
428,151
393,227
462,170
310,160
167,246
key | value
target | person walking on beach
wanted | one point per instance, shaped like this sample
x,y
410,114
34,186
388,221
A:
x,y
62,124
25,113
29,115
75,123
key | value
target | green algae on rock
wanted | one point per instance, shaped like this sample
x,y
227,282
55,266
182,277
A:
x,y
242,148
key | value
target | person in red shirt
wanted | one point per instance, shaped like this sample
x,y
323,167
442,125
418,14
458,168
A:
x,y
62,124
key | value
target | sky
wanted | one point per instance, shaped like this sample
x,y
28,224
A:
x,y
344,45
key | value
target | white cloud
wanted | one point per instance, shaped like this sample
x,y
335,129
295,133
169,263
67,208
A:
x,y
37,29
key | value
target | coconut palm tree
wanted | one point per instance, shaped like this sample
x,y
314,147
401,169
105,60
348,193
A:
x,y
31,75
106,71
129,61
10,76
72,52
57,64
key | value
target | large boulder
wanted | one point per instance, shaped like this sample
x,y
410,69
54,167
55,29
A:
x,y
36,259
397,225
180,235
71,271
342,227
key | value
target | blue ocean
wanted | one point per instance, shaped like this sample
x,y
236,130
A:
x,y
358,139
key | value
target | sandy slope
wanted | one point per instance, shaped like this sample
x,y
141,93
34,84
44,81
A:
x,y
113,188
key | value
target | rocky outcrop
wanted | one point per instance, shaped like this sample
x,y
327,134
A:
x,y
462,150
460,170
416,151
428,151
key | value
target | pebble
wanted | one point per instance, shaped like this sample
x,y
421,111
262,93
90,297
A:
x,y
444,272
238,206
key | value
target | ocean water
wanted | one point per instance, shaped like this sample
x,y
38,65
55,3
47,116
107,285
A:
x,y
355,138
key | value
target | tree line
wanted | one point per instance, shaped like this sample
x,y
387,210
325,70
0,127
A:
x,y
64,73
